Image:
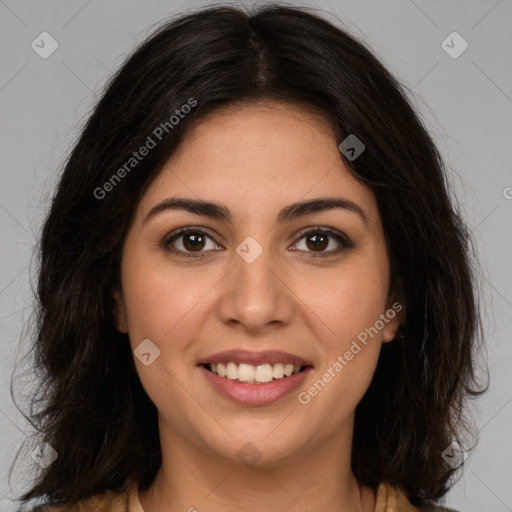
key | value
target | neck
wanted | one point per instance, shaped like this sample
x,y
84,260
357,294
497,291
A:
x,y
318,478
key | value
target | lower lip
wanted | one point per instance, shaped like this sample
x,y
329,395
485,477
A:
x,y
255,394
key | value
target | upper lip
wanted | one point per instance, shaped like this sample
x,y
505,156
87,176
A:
x,y
255,358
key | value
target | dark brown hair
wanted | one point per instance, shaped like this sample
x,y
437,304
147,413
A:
x,y
89,404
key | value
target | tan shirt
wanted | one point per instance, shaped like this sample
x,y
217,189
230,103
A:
x,y
389,499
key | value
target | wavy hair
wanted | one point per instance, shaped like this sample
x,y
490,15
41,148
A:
x,y
89,404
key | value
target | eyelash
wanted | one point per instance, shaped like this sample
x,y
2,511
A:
x,y
344,241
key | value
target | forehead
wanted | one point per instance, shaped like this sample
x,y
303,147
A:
x,y
257,158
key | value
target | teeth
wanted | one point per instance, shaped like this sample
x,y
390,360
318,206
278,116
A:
x,y
254,374
264,373
245,372
278,371
232,371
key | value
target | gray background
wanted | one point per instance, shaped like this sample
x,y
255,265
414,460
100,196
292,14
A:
x,y
466,102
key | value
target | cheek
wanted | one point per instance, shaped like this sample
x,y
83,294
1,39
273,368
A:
x,y
348,301
164,308
161,301
350,310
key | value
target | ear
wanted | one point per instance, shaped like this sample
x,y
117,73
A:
x,y
120,317
394,316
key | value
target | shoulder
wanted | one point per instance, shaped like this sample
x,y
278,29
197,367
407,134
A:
x,y
436,508
108,501
391,498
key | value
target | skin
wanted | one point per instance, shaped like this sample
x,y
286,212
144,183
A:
x,y
255,159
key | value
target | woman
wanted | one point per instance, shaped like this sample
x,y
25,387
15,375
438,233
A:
x,y
255,292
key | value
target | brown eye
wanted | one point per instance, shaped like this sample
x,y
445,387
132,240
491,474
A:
x,y
193,241
317,241
190,242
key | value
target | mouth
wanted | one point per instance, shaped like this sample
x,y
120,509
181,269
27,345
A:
x,y
244,373
254,378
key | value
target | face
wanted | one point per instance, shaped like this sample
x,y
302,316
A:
x,y
274,284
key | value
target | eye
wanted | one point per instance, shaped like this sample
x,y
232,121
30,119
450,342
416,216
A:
x,y
317,240
193,242
187,241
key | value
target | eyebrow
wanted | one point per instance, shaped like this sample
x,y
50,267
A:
x,y
287,214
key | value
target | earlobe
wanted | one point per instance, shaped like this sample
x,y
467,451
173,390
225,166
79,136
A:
x,y
389,334
395,315
120,320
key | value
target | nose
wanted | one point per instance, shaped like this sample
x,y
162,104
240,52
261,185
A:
x,y
255,296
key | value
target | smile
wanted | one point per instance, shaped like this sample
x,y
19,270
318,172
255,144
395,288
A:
x,y
251,374
254,378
